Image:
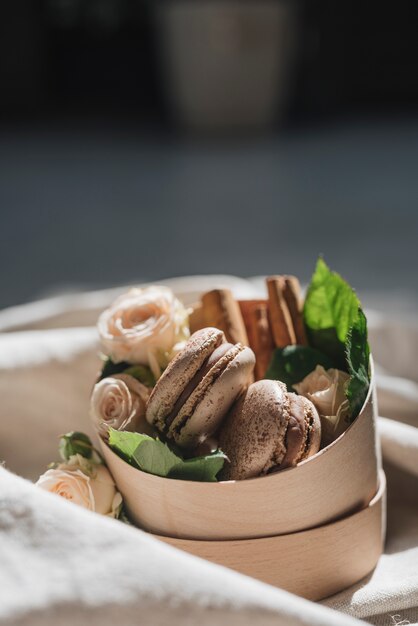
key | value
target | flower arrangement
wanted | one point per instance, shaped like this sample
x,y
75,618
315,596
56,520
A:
x,y
176,395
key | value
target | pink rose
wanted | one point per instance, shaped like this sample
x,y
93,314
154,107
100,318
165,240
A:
x,y
119,402
145,327
326,390
85,483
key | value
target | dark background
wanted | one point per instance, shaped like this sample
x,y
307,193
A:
x,y
101,183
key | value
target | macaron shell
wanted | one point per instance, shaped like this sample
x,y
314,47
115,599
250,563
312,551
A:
x,y
253,436
207,406
179,372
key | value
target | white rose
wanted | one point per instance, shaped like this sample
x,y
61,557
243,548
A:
x,y
119,402
144,326
84,483
326,390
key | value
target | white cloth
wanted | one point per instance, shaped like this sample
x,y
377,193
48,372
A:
x,y
60,564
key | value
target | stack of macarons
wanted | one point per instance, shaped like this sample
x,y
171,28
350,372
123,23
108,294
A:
x,y
206,391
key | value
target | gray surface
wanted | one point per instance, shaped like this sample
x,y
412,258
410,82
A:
x,y
97,208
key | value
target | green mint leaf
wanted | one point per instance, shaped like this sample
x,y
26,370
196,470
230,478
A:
x,y
75,443
330,311
155,457
125,443
141,373
358,356
110,368
148,454
292,363
201,468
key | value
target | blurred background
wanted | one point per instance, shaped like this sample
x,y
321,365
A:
x,y
142,139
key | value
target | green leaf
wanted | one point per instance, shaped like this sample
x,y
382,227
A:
x,y
330,311
125,443
337,326
75,443
358,359
292,363
109,368
203,468
141,373
156,457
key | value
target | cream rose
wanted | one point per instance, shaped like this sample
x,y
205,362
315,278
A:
x,y
87,484
144,326
326,390
119,402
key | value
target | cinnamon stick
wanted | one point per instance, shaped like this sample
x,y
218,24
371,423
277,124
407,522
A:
x,y
246,308
196,318
280,318
293,296
222,311
255,314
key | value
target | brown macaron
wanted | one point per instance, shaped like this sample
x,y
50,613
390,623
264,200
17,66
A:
x,y
268,429
198,387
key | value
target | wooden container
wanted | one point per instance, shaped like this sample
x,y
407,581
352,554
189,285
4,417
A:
x,y
338,481
313,563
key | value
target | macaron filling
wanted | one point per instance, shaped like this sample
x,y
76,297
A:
x,y
295,433
295,440
210,362
308,434
298,434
